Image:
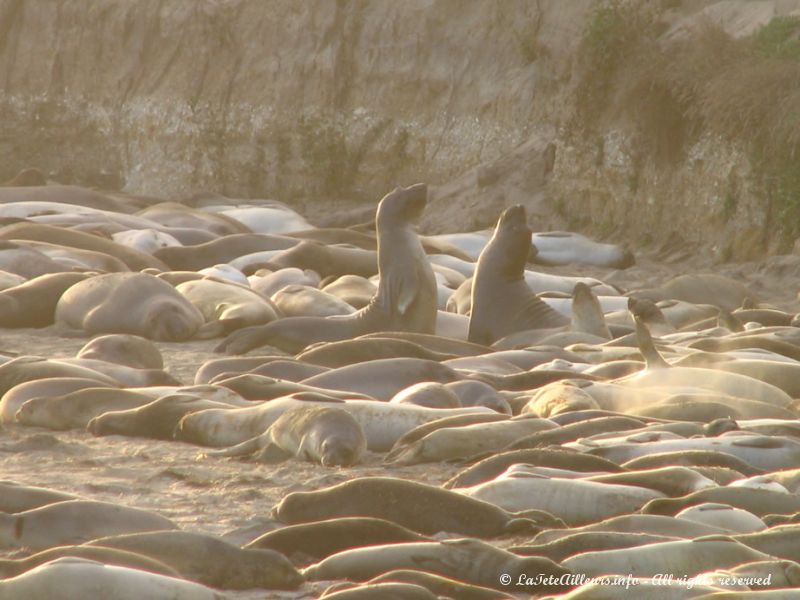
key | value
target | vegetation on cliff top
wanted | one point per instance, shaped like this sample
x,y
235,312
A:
x,y
674,87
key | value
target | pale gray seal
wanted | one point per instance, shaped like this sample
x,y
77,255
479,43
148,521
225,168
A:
x,y
406,299
69,577
134,303
123,349
33,303
210,560
74,522
327,435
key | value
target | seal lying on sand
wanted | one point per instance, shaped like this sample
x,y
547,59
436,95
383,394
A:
x,y
134,303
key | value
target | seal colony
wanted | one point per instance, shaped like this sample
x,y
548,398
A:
x,y
423,417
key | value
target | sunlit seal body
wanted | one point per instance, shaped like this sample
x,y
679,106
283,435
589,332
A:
x,y
422,508
67,578
309,542
129,303
33,303
565,247
502,303
74,522
326,435
406,299
210,560
124,349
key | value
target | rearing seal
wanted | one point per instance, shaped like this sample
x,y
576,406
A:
x,y
502,303
406,299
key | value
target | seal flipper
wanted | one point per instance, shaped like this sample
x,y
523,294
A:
x,y
272,454
399,289
218,328
587,314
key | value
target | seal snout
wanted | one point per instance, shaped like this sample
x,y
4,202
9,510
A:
x,y
417,196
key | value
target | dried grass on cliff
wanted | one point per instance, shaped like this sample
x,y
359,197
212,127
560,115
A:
x,y
673,89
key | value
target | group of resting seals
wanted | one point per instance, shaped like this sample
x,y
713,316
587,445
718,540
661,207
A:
x,y
583,434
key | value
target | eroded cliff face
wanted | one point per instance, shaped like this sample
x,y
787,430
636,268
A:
x,y
253,98
322,100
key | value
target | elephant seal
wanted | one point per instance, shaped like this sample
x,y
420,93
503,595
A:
x,y
379,591
172,214
452,443
108,556
636,523
76,409
348,352
780,541
385,377
723,516
74,522
310,542
422,508
679,558
133,303
494,465
383,423
68,578
423,430
156,420
565,247
15,497
327,260
288,370
306,301
576,501
123,349
502,303
209,560
221,250
467,560
326,435
134,259
570,432
227,306
756,501
18,395
670,481
145,240
270,282
427,393
441,586
357,291
586,541
29,368
33,303
700,288
693,458
406,299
